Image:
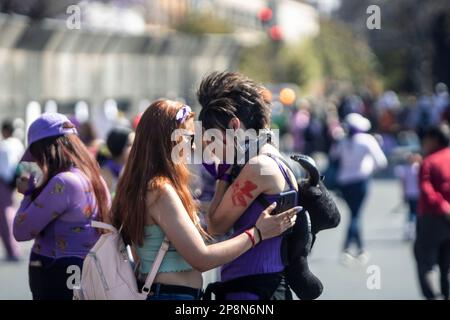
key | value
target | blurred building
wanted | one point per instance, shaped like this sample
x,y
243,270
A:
x,y
127,50
42,59
297,19
166,13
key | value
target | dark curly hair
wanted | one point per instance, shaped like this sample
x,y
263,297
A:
x,y
225,95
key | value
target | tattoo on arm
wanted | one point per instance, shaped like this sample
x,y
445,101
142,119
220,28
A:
x,y
242,191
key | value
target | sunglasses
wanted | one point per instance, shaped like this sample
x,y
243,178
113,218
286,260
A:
x,y
191,136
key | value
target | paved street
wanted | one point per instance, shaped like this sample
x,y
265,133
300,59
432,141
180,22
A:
x,y
382,231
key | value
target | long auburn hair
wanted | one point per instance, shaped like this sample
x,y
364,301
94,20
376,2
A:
x,y
148,167
58,154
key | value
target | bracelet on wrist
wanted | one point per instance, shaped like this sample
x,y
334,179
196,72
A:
x,y
259,234
251,236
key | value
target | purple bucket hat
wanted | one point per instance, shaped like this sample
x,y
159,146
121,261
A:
x,y
47,125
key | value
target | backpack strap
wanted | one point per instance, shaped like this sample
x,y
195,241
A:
x,y
265,203
159,257
155,267
236,170
102,225
261,199
263,285
277,159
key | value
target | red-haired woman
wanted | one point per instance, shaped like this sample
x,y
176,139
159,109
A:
x,y
57,214
153,201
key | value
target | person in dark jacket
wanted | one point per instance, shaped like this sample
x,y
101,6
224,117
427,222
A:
x,y
432,246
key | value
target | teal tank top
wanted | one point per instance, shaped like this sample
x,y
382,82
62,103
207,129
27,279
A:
x,y
153,238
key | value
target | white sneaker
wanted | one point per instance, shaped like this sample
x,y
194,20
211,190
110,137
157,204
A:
x,y
363,257
347,259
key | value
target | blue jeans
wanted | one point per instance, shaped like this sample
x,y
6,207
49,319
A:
x,y
354,194
412,204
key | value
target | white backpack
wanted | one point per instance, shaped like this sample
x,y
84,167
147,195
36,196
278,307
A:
x,y
107,271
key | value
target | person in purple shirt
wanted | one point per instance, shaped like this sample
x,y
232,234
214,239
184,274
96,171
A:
x,y
232,101
58,212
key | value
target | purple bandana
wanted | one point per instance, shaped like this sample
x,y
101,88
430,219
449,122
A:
x,y
183,113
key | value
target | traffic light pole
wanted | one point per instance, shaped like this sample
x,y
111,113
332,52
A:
x,y
275,44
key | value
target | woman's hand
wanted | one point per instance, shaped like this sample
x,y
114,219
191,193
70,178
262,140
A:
x,y
25,184
273,225
22,184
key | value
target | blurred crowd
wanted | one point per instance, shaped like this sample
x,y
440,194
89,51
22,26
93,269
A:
x,y
313,126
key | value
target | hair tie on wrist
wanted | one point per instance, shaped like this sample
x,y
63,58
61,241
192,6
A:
x,y
259,234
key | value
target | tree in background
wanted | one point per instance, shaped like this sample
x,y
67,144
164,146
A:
x,y
202,23
335,55
413,44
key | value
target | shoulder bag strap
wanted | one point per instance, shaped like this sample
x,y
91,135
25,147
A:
x,y
155,267
102,225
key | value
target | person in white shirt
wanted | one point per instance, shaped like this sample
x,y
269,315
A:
x,y
11,151
359,155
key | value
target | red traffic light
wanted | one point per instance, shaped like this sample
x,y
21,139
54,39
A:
x,y
265,14
275,33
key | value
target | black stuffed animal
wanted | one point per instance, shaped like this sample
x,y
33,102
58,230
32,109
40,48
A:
x,y
315,197
320,213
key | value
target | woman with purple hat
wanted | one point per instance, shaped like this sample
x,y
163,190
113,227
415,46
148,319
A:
x,y
57,212
359,155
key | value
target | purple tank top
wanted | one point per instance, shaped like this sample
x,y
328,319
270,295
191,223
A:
x,y
266,256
